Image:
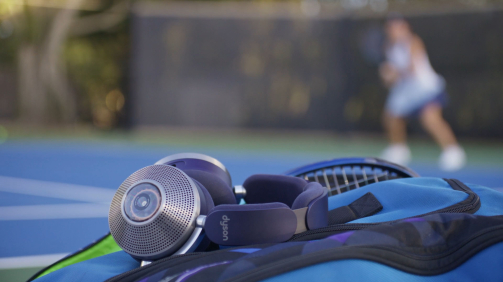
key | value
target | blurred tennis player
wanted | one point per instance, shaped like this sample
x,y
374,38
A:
x,y
415,90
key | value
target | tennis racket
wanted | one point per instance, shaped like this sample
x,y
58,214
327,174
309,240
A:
x,y
345,174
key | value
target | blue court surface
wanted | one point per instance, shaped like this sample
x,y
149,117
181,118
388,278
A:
x,y
54,195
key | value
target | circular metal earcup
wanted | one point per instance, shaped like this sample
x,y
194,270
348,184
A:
x,y
153,213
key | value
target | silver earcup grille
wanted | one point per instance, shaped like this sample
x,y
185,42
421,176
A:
x,y
170,227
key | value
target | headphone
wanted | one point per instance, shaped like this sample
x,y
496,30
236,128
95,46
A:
x,y
185,200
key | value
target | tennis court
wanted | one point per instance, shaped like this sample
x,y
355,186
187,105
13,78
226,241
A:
x,y
55,190
92,91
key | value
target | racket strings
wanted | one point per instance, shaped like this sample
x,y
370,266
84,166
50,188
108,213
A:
x,y
340,179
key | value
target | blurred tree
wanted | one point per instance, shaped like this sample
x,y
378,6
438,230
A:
x,y
44,89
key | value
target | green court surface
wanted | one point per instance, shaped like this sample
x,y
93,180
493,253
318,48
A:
x,y
316,143
18,274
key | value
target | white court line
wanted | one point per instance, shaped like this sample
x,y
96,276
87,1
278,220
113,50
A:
x,y
61,211
56,190
29,261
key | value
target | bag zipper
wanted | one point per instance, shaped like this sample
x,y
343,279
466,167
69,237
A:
x,y
469,205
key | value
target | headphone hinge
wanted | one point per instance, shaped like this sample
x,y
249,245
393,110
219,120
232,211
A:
x,y
239,192
301,220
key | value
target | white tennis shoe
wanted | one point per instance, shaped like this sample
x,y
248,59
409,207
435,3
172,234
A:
x,y
397,153
452,158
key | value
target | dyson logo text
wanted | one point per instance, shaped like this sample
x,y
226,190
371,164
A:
x,y
225,227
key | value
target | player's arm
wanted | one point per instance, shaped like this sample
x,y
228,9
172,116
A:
x,y
417,50
388,74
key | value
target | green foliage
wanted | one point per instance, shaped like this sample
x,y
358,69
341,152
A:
x,y
96,65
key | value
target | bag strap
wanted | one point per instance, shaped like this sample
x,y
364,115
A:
x,y
364,206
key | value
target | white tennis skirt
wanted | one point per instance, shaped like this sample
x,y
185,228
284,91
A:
x,y
409,95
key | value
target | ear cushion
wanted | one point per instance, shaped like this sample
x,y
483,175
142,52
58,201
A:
x,y
206,197
220,192
312,191
266,188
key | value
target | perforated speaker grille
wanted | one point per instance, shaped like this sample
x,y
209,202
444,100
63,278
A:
x,y
170,227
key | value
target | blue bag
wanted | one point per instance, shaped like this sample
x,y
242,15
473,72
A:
x,y
413,228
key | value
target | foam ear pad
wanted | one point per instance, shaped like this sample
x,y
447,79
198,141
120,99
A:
x,y
205,209
266,188
312,191
206,197
220,192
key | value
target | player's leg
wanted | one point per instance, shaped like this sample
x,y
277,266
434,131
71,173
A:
x,y
396,130
395,127
453,156
433,122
